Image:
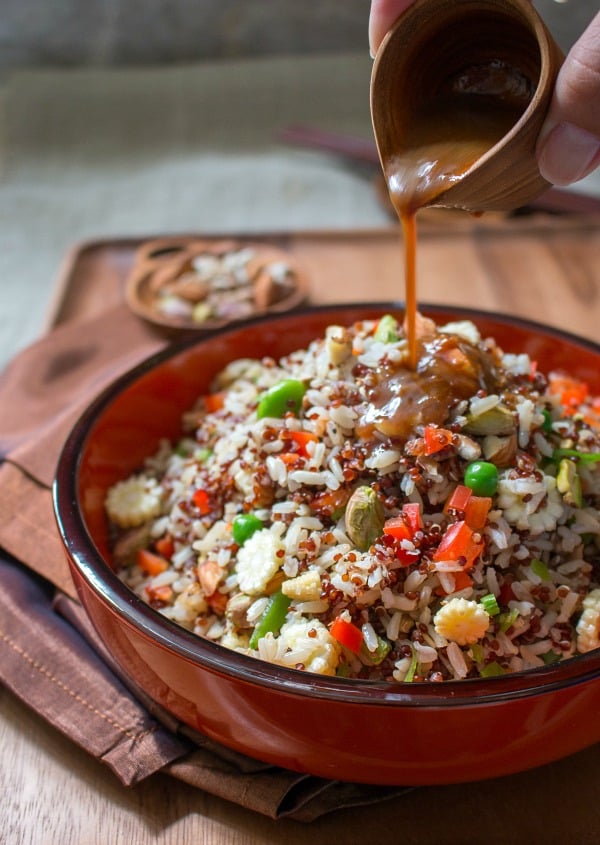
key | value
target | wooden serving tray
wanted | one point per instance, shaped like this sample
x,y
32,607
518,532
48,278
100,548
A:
x,y
540,267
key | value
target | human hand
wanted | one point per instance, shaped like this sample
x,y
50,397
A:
x,y
568,146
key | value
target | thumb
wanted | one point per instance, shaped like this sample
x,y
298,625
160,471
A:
x,y
568,147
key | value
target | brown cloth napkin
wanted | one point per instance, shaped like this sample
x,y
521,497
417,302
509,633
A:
x,y
50,656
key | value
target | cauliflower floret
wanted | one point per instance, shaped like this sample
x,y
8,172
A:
x,y
303,643
461,621
135,500
306,587
530,505
258,560
588,627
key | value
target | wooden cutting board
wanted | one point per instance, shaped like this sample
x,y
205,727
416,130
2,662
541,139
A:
x,y
541,267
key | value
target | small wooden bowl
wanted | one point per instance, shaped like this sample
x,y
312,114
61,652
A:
x,y
174,280
431,43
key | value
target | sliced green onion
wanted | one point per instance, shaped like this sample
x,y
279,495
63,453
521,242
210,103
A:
x,y
410,675
202,454
490,604
508,619
378,656
550,657
547,424
272,618
343,670
491,670
539,568
387,329
477,652
584,457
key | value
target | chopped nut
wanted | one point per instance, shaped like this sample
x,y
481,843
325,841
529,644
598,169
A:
x,y
237,608
364,518
500,450
568,483
497,420
339,344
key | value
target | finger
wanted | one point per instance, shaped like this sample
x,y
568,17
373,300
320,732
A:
x,y
569,143
384,13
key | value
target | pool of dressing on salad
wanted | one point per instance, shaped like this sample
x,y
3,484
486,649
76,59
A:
x,y
444,140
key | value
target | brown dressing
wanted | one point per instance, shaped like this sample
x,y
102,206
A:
x,y
455,128
449,369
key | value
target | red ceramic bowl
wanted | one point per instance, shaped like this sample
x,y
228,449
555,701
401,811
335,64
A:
x,y
358,731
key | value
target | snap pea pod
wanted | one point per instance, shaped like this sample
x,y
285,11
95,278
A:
x,y
272,618
281,398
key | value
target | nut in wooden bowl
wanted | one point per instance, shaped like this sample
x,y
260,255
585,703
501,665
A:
x,y
192,284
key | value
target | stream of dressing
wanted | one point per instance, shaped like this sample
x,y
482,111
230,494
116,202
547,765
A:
x,y
442,143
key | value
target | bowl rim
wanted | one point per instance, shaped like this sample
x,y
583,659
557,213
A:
x,y
135,613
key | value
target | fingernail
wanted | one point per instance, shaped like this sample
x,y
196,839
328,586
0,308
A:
x,y
568,153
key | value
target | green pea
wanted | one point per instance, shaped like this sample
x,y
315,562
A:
x,y
482,478
272,618
244,526
282,397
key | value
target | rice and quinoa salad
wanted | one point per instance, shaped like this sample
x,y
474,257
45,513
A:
x,y
336,512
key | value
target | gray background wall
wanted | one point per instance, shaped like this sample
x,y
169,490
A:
x,y
117,32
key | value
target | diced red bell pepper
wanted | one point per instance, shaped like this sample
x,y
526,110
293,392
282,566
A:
x,y
458,499
506,591
411,511
201,500
457,543
346,634
407,556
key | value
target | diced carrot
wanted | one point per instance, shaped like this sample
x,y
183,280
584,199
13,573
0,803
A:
x,y
162,594
165,546
571,392
150,563
476,512
436,439
330,501
201,500
302,439
462,580
217,603
398,527
289,458
214,401
347,634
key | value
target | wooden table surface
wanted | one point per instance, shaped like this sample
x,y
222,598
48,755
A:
x,y
52,792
